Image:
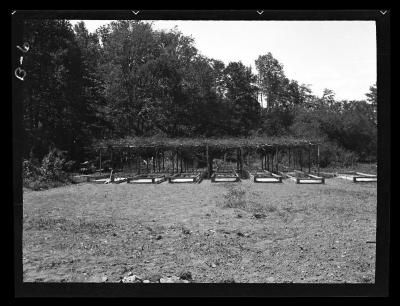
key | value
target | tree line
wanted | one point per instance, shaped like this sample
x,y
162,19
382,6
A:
x,y
128,79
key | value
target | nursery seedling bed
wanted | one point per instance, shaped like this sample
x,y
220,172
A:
x,y
225,176
266,177
147,179
303,178
193,177
357,177
97,179
117,180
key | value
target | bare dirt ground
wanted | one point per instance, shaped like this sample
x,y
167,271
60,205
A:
x,y
219,232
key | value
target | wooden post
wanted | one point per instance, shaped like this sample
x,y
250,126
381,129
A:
x,y
309,158
180,157
318,158
301,159
177,161
111,159
272,163
241,162
289,156
159,161
100,159
163,158
237,159
262,162
277,159
154,163
208,162
267,160
210,165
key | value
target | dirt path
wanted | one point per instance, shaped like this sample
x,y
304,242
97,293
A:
x,y
304,233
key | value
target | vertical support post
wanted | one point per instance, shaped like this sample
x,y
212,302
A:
x,y
180,157
241,161
277,159
130,159
309,158
210,165
154,162
318,158
111,159
208,162
147,165
159,161
301,159
262,162
267,160
237,159
272,162
163,158
100,159
177,161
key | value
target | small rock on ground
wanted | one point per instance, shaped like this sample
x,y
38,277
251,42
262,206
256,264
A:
x,y
172,279
131,279
186,275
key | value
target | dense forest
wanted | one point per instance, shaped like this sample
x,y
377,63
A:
x,y
128,79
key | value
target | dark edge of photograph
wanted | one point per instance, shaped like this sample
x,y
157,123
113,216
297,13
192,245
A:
x,y
100,287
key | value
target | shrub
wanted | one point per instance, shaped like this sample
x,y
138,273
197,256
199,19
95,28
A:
x,y
50,173
333,154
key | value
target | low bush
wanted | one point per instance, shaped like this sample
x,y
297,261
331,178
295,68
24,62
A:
x,y
331,154
49,173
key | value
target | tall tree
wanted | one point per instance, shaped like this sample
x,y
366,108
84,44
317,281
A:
x,y
242,97
272,80
54,107
372,98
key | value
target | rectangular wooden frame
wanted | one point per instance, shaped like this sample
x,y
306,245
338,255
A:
x,y
147,179
358,177
225,176
265,176
309,179
102,179
187,177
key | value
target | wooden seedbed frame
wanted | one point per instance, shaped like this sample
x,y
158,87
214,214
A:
x,y
147,179
225,176
264,176
305,178
186,177
102,179
358,177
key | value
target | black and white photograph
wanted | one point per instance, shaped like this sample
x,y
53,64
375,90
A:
x,y
198,151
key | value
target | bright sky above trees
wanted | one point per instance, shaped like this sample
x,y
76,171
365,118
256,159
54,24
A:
x,y
339,55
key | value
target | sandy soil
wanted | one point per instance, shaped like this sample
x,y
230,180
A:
x,y
271,233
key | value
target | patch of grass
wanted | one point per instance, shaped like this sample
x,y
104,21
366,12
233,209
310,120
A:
x,y
268,208
63,224
235,198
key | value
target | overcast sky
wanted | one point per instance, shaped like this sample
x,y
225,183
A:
x,y
339,55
